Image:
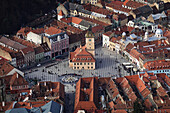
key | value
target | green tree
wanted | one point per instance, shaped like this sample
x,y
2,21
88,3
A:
x,y
138,108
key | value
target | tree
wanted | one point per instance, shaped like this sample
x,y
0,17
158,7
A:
x,y
138,108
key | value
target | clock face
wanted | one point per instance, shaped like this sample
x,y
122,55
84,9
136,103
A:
x,y
89,39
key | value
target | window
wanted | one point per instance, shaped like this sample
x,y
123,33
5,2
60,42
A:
x,y
77,63
80,63
88,63
84,63
92,67
91,63
88,67
77,67
82,67
74,63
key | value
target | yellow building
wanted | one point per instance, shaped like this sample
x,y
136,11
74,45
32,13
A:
x,y
83,57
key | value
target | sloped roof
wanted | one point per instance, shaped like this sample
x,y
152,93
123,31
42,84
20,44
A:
x,y
12,80
75,20
81,55
51,106
18,110
61,13
52,31
11,43
134,79
38,50
38,31
27,50
5,68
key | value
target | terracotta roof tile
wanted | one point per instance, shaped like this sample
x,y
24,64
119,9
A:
x,y
38,50
94,21
61,13
81,55
52,31
38,31
133,4
27,50
118,7
75,20
5,68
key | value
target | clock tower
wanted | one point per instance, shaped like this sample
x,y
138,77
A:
x,y
90,41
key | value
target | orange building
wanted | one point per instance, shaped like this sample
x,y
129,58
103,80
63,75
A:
x,y
83,57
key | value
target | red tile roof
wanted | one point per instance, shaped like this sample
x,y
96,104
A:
x,y
66,27
135,80
61,13
133,4
15,80
24,42
5,68
68,20
157,65
53,89
24,31
129,47
118,7
38,31
161,91
81,55
126,88
135,53
38,50
27,50
98,10
86,94
113,39
94,21
164,77
108,33
52,31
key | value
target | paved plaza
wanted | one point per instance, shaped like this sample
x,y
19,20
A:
x,y
106,66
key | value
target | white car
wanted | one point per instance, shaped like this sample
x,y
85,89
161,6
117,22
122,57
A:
x,y
38,65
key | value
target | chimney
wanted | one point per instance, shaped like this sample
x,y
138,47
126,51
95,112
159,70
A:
x,y
3,103
44,83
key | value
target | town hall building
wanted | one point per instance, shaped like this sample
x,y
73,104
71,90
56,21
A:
x,y
84,56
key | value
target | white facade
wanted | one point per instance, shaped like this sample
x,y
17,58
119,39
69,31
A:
x,y
159,71
34,37
60,17
16,70
105,40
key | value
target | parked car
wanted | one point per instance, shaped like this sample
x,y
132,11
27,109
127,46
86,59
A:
x,y
38,65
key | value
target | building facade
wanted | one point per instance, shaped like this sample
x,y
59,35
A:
x,y
83,57
57,40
